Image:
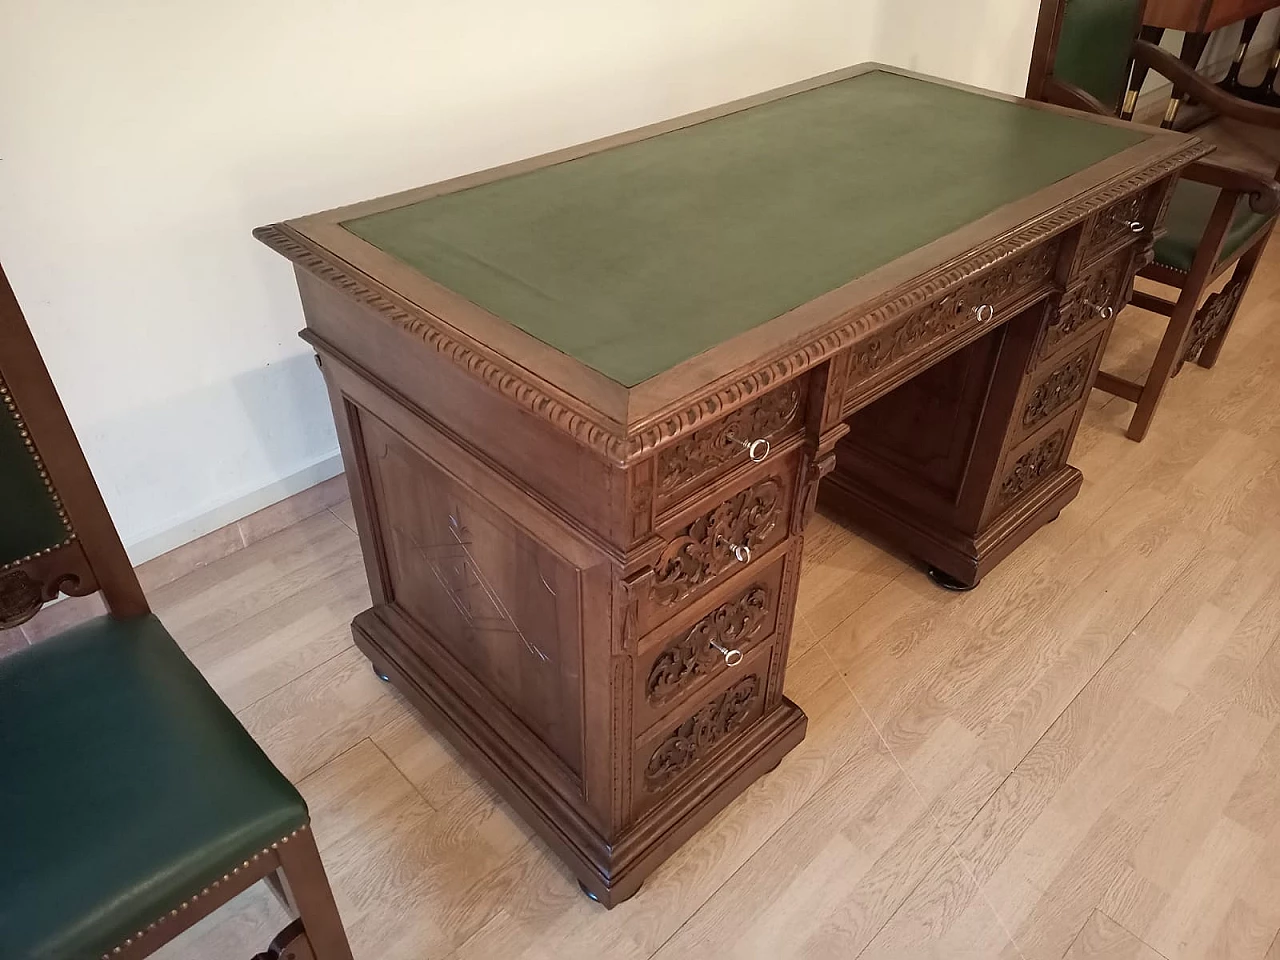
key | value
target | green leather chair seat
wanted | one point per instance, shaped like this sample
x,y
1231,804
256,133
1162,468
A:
x,y
125,785
1189,214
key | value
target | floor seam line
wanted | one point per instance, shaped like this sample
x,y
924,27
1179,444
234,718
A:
x,y
404,776
327,660
928,809
1158,953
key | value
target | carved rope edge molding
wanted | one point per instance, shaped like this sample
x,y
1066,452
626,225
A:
x,y
535,398
529,396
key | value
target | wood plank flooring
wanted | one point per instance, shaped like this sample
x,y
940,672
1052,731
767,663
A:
x,y
1079,760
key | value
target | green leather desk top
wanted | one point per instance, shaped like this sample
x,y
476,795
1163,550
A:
x,y
634,259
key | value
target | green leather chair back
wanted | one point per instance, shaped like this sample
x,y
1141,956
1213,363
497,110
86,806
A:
x,y
1094,46
32,518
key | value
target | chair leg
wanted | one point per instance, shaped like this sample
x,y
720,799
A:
x,y
276,882
1214,320
304,872
1168,359
289,944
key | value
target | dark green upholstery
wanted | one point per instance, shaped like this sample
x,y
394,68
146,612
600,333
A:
x,y
634,259
1095,47
29,520
127,786
1189,214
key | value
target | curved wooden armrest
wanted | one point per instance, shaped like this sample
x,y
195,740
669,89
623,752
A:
x,y
1263,194
1188,81
1068,95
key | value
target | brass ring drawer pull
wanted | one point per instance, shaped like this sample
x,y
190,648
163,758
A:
x,y
1105,312
731,657
740,553
985,313
757,450
1135,226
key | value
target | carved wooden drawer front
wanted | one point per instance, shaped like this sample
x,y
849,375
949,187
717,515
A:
x,y
1058,385
974,305
1033,461
674,751
711,638
1123,222
719,537
748,434
1090,302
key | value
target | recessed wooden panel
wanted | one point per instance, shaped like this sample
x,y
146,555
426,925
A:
x,y
504,605
924,428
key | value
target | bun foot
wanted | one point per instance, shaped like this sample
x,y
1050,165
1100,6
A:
x,y
596,899
947,582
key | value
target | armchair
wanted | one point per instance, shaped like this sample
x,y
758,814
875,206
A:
x,y
1219,217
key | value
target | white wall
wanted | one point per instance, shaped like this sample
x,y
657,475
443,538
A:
x,y
141,141
986,43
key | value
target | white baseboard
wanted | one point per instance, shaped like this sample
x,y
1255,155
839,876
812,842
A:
x,y
153,546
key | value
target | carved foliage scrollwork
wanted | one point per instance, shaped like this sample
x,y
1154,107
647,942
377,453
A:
x,y
708,544
1213,318
716,445
732,625
1114,223
697,736
1032,467
954,311
1061,388
1080,308
20,598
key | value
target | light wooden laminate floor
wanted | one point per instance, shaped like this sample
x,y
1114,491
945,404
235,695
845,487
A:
x,y
1081,759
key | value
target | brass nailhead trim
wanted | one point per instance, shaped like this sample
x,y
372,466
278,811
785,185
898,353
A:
x,y
187,903
25,434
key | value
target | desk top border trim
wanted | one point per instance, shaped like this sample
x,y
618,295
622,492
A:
x,y
623,425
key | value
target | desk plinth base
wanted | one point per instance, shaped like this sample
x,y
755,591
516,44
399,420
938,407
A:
x,y
967,558
610,872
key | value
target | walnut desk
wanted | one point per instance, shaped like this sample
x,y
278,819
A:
x,y
585,402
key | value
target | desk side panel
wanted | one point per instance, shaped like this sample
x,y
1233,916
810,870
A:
x,y
589,493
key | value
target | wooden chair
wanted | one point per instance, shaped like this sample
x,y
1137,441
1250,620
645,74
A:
x,y
132,802
1219,217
